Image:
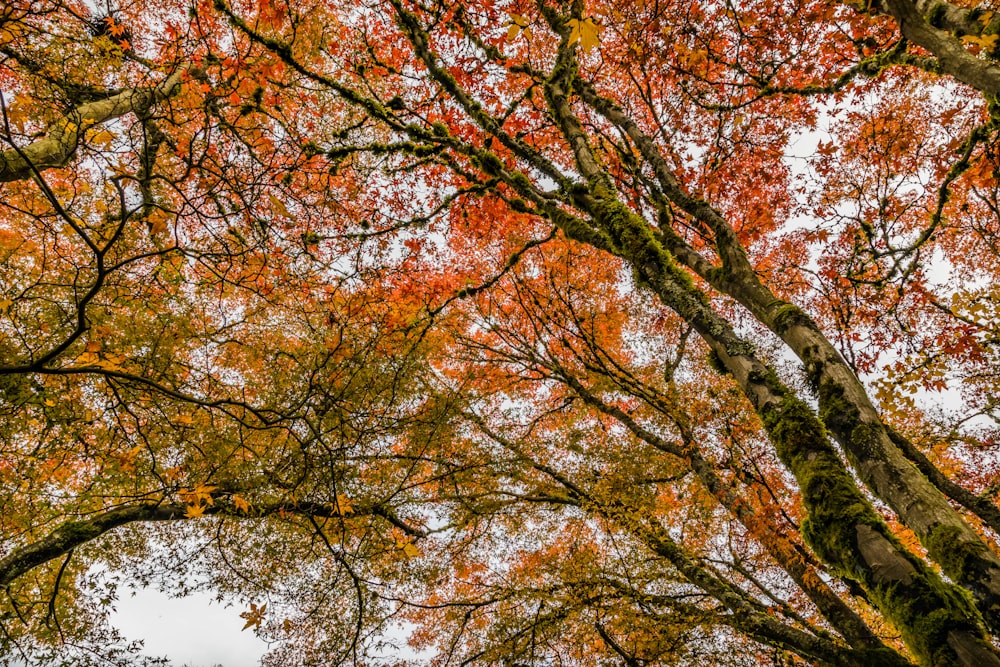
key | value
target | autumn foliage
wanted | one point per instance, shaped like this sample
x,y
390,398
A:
x,y
504,332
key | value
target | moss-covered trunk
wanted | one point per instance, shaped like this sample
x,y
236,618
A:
x,y
845,406
851,417
937,620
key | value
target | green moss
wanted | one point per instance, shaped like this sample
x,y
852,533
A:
x,y
936,15
959,558
634,240
716,363
839,414
639,279
519,205
789,315
77,532
920,604
489,163
520,181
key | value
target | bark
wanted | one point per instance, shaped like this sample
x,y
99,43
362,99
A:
x,y
978,505
952,57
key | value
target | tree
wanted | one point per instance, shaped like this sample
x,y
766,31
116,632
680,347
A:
x,y
519,323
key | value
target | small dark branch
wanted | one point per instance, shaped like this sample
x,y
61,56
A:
x,y
630,660
512,262
55,593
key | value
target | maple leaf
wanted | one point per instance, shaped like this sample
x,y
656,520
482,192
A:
x,y
100,137
986,42
200,493
88,359
278,206
194,511
586,32
241,504
254,617
518,24
157,221
127,459
203,492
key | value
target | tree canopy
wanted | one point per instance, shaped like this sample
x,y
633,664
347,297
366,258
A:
x,y
565,332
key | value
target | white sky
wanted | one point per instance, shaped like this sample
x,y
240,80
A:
x,y
196,630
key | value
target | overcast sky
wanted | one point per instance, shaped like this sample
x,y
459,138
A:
x,y
195,631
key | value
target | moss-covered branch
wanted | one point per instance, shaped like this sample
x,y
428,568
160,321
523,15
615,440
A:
x,y
63,135
73,534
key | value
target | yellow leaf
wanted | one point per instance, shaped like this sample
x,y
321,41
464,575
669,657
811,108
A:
x,y
100,137
204,492
88,359
157,221
241,504
987,42
278,206
10,31
518,24
586,32
410,550
108,365
127,460
343,504
5,305
194,511
986,17
574,34
185,420
115,358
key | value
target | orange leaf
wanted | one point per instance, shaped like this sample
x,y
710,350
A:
x,y
241,505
